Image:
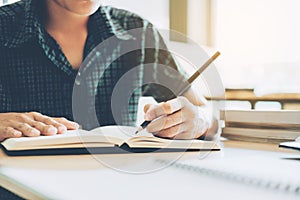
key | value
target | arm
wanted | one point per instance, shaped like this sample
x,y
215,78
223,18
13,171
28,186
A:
x,y
191,118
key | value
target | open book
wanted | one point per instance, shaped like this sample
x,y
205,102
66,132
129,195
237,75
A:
x,y
291,145
107,139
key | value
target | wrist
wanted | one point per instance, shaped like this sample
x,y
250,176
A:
x,y
204,122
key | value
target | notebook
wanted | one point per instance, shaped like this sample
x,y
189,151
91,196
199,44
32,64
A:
x,y
291,145
257,175
107,139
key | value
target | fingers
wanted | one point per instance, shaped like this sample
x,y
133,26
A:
x,y
172,131
32,124
47,124
44,128
61,123
185,136
166,122
40,123
169,118
26,129
8,132
183,131
169,107
67,123
176,119
146,108
37,127
178,132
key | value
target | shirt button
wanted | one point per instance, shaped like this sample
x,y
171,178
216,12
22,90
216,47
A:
x,y
77,82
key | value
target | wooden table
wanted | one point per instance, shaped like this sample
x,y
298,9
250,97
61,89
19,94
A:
x,y
84,177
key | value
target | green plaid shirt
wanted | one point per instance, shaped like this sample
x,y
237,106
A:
x,y
35,75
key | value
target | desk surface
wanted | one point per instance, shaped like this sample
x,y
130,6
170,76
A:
x,y
86,177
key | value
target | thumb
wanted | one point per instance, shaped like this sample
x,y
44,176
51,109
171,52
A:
x,y
146,107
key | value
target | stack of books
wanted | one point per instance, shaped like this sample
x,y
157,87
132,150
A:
x,y
261,126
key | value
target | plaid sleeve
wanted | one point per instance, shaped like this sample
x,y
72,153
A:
x,y
5,101
161,68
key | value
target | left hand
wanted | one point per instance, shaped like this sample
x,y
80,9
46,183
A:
x,y
176,119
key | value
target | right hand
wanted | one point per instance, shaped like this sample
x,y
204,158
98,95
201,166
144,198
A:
x,y
32,124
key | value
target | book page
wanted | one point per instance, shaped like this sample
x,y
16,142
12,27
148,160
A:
x,y
70,137
156,142
125,134
116,134
145,139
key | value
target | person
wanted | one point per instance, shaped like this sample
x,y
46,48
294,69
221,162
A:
x,y
43,44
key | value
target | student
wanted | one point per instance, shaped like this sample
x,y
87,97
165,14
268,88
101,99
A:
x,y
42,46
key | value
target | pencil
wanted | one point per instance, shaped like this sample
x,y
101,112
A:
x,y
190,81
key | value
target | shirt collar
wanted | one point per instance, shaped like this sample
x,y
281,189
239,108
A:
x,y
31,26
103,24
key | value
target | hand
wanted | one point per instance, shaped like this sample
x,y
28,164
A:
x,y
176,119
13,125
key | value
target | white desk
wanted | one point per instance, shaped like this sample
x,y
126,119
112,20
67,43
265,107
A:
x,y
83,177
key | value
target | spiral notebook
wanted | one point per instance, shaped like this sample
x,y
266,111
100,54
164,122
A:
x,y
285,183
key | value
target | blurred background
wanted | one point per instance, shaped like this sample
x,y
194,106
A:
x,y
259,41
